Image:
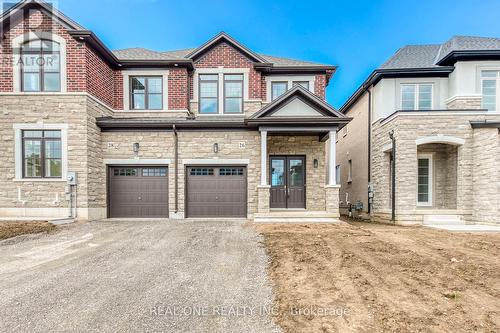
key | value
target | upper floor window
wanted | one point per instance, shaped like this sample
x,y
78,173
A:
x,y
489,83
146,92
278,88
304,84
233,93
208,92
40,66
416,96
42,154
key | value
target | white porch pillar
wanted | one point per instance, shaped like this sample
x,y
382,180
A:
x,y
263,157
332,158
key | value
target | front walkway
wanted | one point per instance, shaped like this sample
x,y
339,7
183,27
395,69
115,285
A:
x,y
193,276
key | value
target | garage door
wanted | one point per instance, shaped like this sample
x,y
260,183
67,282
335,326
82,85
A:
x,y
216,192
138,191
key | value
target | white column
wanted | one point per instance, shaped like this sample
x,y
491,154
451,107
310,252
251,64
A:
x,y
263,157
332,158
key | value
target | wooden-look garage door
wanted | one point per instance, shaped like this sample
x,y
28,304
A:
x,y
216,191
138,191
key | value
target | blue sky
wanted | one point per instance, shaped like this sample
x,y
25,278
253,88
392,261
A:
x,y
355,35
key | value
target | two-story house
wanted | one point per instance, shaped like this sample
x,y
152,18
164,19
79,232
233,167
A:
x,y
214,131
423,145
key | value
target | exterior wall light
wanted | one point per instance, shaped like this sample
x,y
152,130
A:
x,y
315,163
135,147
216,147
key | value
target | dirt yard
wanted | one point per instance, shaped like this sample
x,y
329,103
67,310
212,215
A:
x,y
362,277
12,229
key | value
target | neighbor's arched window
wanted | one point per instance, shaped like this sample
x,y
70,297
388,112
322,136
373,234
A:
x,y
41,66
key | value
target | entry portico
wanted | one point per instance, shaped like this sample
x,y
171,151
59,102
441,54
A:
x,y
298,139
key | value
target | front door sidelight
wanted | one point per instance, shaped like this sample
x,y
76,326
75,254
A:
x,y
287,178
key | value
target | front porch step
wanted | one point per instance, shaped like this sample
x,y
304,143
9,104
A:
x,y
292,216
447,219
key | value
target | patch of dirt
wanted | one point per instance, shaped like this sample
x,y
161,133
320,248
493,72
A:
x,y
13,229
362,277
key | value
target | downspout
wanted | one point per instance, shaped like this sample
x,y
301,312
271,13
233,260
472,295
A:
x,y
393,177
367,89
176,162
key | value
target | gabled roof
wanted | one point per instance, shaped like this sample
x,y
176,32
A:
x,y
48,8
224,37
324,112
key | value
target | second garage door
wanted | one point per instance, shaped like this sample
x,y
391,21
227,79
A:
x,y
216,192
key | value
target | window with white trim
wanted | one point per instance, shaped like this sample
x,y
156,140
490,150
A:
x,y
41,152
278,88
304,84
490,80
40,66
416,96
233,93
146,92
424,183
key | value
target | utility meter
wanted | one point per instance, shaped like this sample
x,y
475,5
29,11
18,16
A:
x,y
71,178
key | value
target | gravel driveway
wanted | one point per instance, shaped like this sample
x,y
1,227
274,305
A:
x,y
201,276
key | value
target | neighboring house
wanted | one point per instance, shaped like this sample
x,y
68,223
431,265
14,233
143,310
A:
x,y
441,104
214,131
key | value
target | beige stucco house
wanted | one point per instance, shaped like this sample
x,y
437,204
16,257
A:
x,y
424,144
209,132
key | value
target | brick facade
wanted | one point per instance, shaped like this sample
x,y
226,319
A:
x,y
96,89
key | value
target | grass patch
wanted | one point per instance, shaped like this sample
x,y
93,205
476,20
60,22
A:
x,y
13,229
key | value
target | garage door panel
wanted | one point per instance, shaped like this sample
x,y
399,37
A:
x,y
216,192
138,192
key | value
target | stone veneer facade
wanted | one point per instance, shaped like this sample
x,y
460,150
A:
x,y
466,176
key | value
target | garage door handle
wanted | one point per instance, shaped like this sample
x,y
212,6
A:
x,y
140,198
216,198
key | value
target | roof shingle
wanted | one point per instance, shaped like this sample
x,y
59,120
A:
x,y
427,56
138,53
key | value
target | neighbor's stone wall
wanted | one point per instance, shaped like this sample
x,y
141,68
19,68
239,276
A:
x,y
407,129
486,176
444,174
312,148
464,103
